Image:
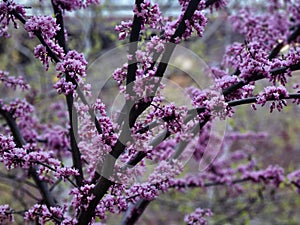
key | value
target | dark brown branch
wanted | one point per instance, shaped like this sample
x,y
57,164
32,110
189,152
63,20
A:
x,y
259,76
76,155
133,39
294,35
254,99
60,35
99,191
134,212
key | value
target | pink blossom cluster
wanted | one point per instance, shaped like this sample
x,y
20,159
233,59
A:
x,y
254,61
124,29
7,16
28,156
274,26
144,190
42,214
13,82
276,63
198,217
250,59
64,87
44,24
171,115
229,168
56,139
152,17
108,136
163,151
264,28
71,5
41,53
164,173
197,23
26,120
221,171
6,216
29,126
156,44
18,108
211,100
91,145
119,74
82,197
143,86
113,203
273,175
74,64
184,4
273,93
293,56
145,60
6,143
149,13
159,180
145,80
226,81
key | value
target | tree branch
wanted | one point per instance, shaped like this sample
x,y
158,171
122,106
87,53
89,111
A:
x,y
20,142
119,147
259,76
134,212
254,99
76,155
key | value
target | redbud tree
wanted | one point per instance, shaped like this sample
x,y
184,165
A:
x,y
100,159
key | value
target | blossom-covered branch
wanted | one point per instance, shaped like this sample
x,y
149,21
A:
x,y
110,150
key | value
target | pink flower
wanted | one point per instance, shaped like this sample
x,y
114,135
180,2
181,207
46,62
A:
x,y
124,29
74,64
275,94
6,216
198,217
7,16
44,24
18,108
150,14
273,175
64,87
13,82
